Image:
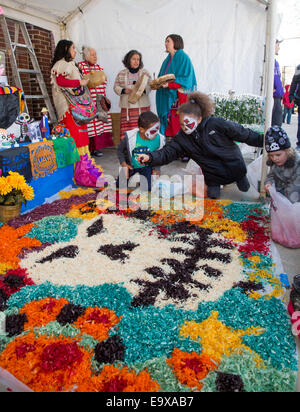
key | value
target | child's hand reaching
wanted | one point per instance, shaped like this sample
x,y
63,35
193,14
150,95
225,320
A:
x,y
267,188
143,159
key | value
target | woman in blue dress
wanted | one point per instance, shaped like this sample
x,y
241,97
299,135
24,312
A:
x,y
175,93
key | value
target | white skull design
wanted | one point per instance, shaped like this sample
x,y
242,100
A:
x,y
92,267
274,147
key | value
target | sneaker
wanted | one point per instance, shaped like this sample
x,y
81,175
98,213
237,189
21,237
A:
x,y
243,184
185,159
214,192
97,153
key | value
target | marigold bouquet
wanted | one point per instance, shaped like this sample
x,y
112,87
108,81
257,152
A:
x,y
14,190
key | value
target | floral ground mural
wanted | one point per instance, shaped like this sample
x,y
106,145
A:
x,y
105,300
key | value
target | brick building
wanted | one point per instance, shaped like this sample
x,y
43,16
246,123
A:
x,y
43,43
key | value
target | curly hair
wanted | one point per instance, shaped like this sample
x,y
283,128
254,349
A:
x,y
128,57
199,105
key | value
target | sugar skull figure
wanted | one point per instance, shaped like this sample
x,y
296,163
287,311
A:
x,y
5,139
24,120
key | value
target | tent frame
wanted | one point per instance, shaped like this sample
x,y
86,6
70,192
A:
x,y
268,80
268,77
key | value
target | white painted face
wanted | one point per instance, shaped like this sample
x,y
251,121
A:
x,y
190,124
152,132
152,262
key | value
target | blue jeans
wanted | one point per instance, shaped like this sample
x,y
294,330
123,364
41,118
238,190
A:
x,y
287,113
277,112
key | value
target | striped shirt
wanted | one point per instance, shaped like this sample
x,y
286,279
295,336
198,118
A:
x,y
96,127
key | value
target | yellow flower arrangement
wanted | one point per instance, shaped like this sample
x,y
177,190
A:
x,y
14,190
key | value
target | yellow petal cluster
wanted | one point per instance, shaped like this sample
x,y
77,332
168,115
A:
x,y
5,187
15,181
217,339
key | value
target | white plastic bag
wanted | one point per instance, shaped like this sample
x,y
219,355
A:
x,y
255,172
194,180
168,189
11,384
285,220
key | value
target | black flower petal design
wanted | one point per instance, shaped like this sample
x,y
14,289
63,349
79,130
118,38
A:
x,y
69,314
110,351
14,324
96,228
226,382
69,252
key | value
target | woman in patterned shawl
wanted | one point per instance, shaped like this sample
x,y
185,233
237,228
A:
x,y
65,75
125,81
100,133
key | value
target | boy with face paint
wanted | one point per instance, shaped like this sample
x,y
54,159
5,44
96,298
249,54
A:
x,y
142,141
210,142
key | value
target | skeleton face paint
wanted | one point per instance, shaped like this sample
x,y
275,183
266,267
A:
x,y
152,132
190,124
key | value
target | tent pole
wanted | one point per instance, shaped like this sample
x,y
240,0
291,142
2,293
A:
x,y
75,12
270,51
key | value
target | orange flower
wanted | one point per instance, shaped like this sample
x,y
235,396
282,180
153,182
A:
x,y
12,243
112,379
97,323
87,210
191,368
40,313
47,364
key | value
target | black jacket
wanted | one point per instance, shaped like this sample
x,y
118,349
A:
x,y
212,146
295,88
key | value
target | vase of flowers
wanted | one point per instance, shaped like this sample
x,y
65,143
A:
x,y
14,191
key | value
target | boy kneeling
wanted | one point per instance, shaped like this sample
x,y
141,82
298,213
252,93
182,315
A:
x,y
144,140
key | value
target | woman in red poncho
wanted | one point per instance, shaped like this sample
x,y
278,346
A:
x,y
65,75
100,133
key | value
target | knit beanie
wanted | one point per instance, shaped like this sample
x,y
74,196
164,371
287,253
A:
x,y
277,139
296,283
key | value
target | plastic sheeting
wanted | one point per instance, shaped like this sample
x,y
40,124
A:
x,y
224,41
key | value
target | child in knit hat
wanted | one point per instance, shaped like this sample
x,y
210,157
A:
x,y
285,164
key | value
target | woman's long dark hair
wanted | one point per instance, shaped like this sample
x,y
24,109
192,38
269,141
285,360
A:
x,y
129,55
62,51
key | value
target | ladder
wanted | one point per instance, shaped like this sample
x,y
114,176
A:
x,y
12,45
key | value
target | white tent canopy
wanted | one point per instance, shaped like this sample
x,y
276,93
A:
x,y
225,40
55,11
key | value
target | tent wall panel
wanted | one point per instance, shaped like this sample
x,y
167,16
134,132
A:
x,y
225,43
